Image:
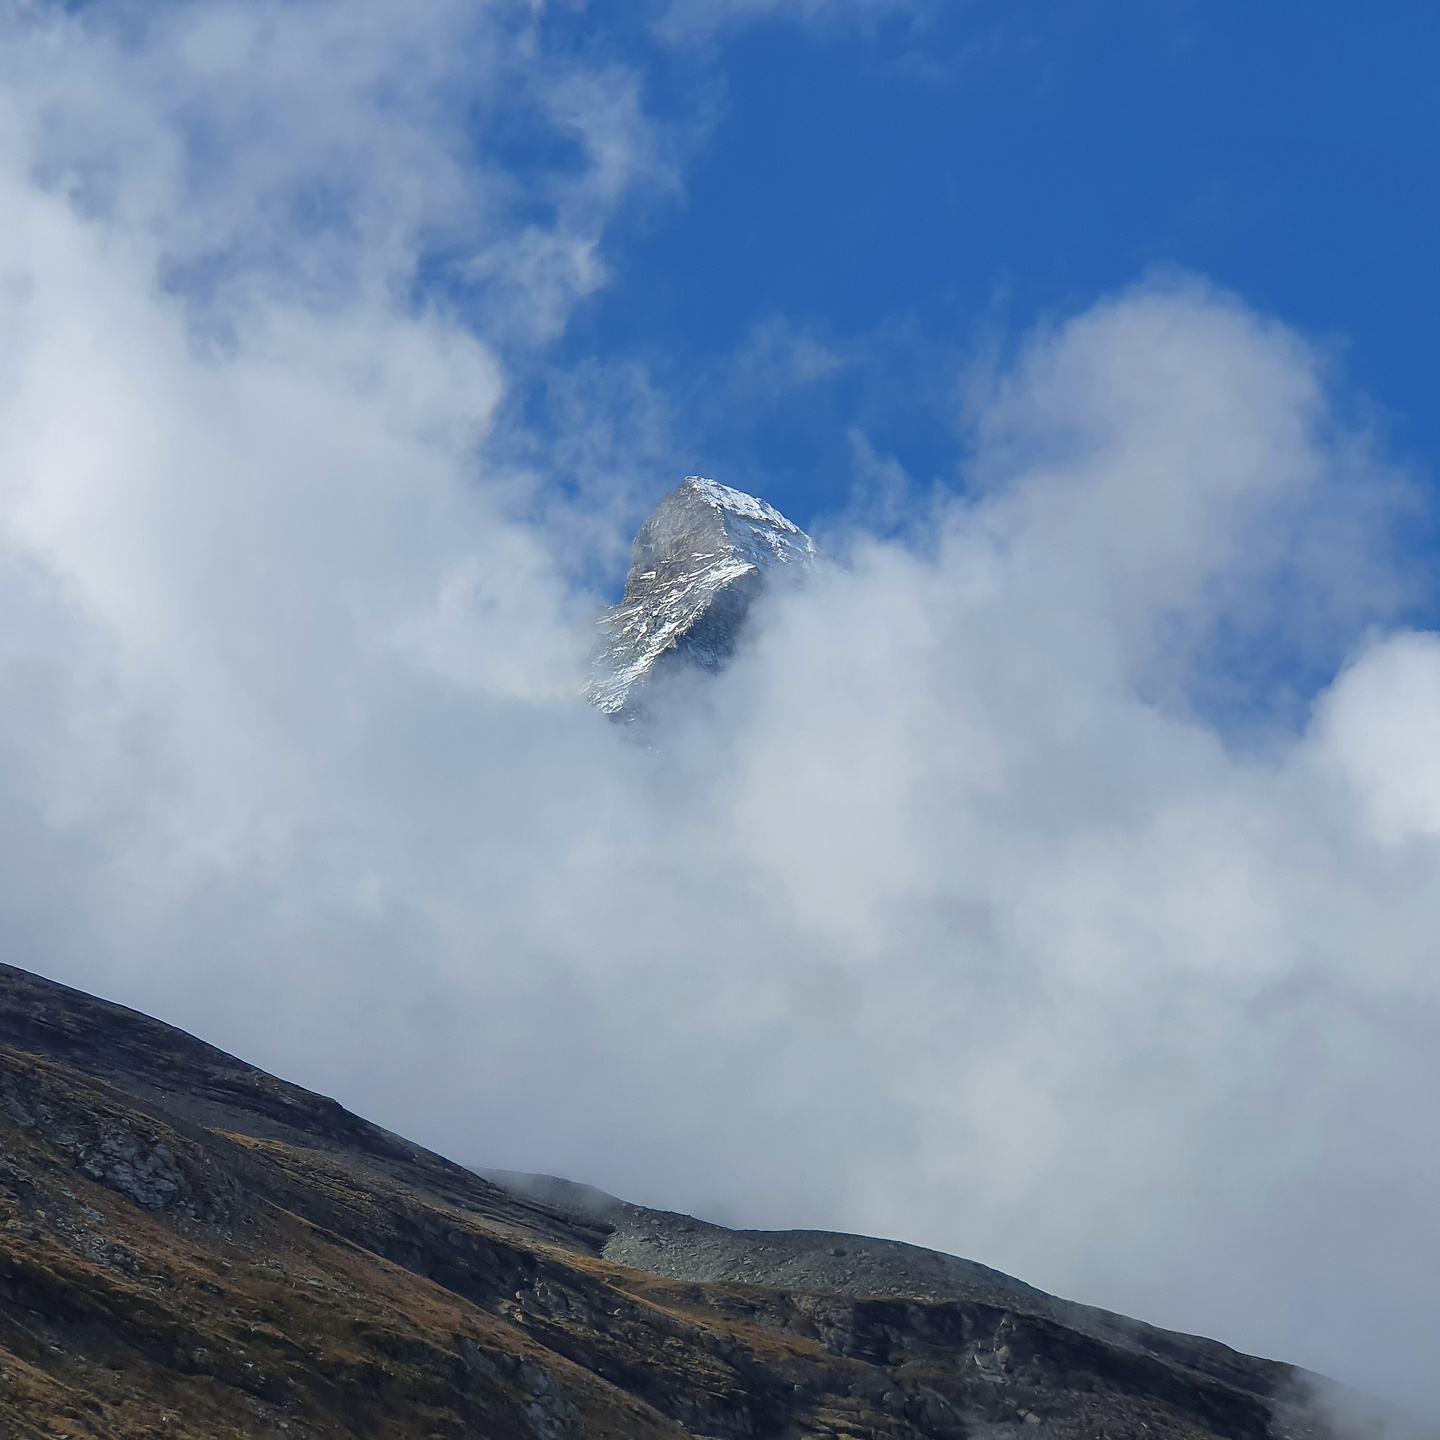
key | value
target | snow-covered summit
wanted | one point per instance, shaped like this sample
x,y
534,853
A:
x,y
695,566
737,502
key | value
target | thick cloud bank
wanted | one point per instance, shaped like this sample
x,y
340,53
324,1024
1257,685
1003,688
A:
x,y
1058,885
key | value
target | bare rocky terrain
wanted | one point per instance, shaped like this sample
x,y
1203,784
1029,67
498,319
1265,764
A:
x,y
819,1262
191,1247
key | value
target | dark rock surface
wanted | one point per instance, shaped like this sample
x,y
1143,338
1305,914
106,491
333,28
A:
x,y
190,1247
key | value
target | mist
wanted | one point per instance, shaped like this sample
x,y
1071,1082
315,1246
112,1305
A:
x,y
1053,881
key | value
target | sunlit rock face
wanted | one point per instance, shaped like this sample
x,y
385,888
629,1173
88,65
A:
x,y
695,567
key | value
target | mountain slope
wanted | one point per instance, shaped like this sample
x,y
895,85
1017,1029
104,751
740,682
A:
x,y
821,1262
191,1247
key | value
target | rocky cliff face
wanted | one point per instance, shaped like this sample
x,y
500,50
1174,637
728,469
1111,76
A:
x,y
190,1247
696,566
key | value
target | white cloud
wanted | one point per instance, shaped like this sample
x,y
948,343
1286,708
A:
x,y
314,153
1379,726
779,357
963,908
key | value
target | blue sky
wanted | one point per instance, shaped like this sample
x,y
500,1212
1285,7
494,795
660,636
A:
x,y
915,189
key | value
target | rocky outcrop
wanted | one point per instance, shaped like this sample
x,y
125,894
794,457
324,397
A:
x,y
133,1154
860,1267
696,567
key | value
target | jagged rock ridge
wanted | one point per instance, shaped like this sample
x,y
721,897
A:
x,y
696,566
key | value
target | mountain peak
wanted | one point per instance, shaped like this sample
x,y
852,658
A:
x,y
696,566
735,502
